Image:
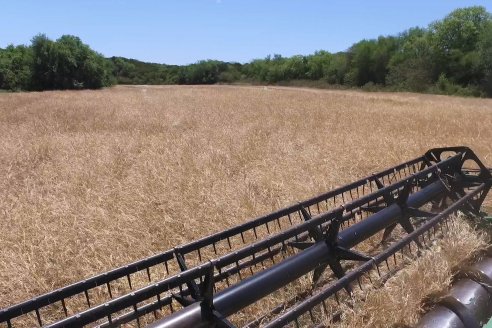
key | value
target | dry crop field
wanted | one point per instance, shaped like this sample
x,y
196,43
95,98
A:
x,y
90,180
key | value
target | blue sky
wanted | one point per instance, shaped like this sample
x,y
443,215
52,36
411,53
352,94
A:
x,y
182,32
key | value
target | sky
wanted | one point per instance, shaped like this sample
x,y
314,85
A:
x,y
185,31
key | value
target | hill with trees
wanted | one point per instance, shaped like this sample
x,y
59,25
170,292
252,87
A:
x,y
450,56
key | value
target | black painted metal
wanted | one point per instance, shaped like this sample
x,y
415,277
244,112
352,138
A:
x,y
330,290
258,286
393,195
115,305
83,286
469,302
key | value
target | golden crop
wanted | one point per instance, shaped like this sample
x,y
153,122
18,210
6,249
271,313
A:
x,y
90,180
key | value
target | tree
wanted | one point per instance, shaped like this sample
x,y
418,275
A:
x,y
295,68
68,64
123,70
44,68
15,68
485,57
317,64
203,72
461,29
456,39
361,62
337,69
412,65
383,52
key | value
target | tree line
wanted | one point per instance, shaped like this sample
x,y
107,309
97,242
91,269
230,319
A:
x,y
450,56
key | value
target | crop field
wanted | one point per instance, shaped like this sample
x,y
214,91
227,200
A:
x,y
91,180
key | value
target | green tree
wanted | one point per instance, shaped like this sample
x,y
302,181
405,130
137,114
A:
x,y
124,71
337,69
295,68
369,59
203,72
68,64
485,57
456,39
44,67
15,68
317,64
361,63
412,66
385,49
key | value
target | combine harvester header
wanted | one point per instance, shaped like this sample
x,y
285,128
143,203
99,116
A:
x,y
210,282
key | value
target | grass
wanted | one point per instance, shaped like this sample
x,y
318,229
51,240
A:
x,y
90,180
